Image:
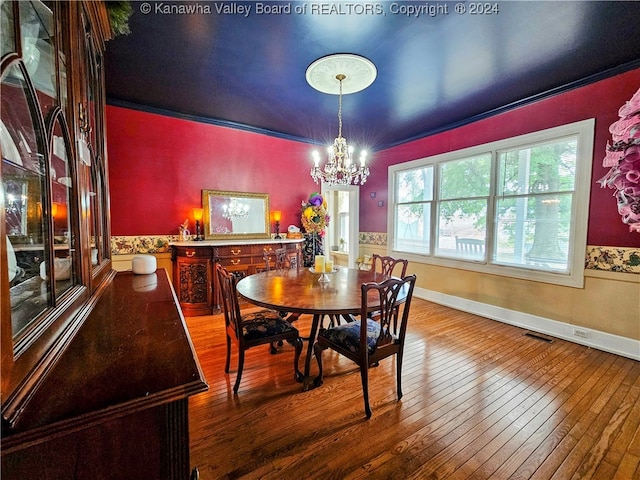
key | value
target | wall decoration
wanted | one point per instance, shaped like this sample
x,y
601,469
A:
x,y
314,216
623,156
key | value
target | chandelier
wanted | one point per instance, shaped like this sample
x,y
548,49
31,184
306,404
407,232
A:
x,y
322,75
235,209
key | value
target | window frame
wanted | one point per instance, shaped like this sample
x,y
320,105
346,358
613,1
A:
x,y
583,130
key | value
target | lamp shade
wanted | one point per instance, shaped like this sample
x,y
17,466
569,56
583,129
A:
x,y
197,214
277,215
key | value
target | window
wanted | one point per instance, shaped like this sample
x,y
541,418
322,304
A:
x,y
517,207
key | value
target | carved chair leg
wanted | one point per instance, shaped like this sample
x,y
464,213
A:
x,y
298,374
239,374
226,365
317,350
364,374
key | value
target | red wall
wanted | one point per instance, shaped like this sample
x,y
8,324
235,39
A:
x,y
600,100
158,165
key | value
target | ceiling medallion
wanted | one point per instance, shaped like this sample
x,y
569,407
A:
x,y
340,74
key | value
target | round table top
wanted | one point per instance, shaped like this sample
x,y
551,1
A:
x,y
298,290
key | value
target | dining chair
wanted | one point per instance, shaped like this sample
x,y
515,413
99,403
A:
x,y
282,260
252,329
367,340
387,265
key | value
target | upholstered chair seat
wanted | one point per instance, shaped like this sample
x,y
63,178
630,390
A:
x,y
347,336
263,324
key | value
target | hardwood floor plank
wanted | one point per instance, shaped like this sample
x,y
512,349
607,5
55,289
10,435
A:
x,y
496,451
524,453
629,468
503,418
570,453
473,418
481,400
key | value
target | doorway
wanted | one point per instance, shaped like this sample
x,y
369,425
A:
x,y
342,241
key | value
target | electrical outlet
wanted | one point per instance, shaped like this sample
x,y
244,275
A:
x,y
577,332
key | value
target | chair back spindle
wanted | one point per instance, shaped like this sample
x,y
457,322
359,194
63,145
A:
x,y
230,304
387,265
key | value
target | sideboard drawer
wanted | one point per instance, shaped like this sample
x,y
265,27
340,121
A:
x,y
258,250
193,252
234,261
233,251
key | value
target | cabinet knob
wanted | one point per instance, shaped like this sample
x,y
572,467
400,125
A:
x,y
236,251
235,261
190,253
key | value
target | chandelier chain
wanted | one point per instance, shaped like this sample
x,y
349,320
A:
x,y
340,111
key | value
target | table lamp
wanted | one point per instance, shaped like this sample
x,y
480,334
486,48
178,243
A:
x,y
197,216
277,216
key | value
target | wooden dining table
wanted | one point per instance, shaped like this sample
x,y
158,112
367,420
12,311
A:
x,y
298,291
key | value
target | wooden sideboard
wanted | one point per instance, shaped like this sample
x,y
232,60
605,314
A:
x,y
193,272
114,405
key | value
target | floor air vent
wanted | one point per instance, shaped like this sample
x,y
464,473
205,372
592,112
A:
x,y
539,336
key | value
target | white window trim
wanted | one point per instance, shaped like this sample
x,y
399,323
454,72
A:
x,y
575,278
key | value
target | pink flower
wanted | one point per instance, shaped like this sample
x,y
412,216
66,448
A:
x,y
621,130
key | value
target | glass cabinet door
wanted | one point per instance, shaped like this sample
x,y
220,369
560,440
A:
x,y
38,179
63,210
27,210
54,234
92,153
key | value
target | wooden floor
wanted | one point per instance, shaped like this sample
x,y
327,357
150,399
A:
x,y
481,400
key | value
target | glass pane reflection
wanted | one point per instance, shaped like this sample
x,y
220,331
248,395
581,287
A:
x,y
62,210
24,190
8,42
38,51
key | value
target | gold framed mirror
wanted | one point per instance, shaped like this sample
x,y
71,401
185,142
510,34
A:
x,y
235,215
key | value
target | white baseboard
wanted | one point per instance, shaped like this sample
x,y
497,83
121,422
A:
x,y
623,346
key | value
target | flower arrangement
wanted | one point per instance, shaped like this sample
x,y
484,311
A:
x,y
314,214
624,159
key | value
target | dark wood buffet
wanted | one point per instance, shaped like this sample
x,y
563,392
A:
x,y
193,272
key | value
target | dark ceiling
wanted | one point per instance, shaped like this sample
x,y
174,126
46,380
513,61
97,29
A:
x,y
434,72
